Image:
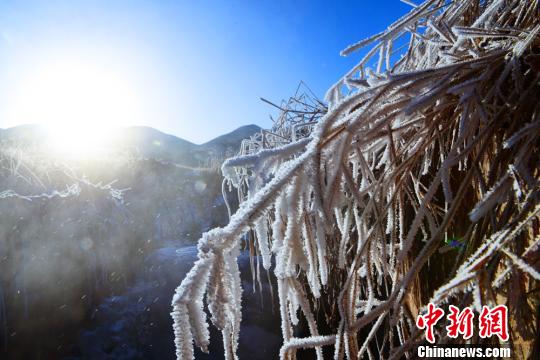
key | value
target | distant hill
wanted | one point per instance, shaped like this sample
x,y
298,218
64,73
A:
x,y
226,145
149,143
234,138
24,133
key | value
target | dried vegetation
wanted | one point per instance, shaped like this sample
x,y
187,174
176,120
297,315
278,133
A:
x,y
354,200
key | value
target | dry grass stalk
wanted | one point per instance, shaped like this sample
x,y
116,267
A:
x,y
441,142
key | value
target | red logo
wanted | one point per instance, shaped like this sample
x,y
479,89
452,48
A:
x,y
460,322
494,322
491,322
429,320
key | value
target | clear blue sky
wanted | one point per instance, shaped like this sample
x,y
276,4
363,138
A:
x,y
198,68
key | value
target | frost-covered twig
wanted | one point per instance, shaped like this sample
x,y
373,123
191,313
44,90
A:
x,y
354,199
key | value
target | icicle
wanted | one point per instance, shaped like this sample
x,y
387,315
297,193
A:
x,y
306,309
278,226
261,229
191,289
310,249
199,326
183,338
321,245
344,228
218,296
477,296
285,320
390,220
293,308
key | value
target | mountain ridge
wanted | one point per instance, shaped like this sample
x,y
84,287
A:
x,y
250,128
149,142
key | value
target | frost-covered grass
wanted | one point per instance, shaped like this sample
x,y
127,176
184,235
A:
x,y
442,142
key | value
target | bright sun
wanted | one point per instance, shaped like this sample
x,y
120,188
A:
x,y
78,102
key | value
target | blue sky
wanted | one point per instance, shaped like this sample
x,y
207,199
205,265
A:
x,y
195,69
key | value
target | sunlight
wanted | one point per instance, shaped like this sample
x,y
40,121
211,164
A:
x,y
78,102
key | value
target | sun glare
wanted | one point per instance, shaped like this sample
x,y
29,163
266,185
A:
x,y
79,103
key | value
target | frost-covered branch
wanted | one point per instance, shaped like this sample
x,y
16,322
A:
x,y
356,200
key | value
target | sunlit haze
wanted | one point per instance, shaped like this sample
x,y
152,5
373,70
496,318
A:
x,y
192,69
77,101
